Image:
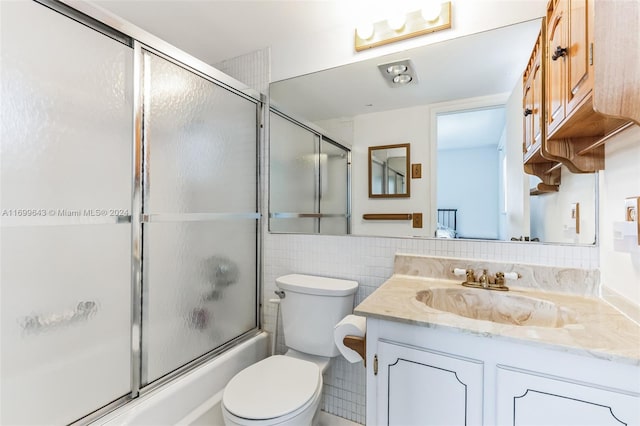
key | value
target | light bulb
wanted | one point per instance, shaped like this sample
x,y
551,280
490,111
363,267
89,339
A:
x,y
402,79
431,11
397,22
365,30
396,69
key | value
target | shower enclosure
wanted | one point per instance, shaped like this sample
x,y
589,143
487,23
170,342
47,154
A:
x,y
309,179
129,212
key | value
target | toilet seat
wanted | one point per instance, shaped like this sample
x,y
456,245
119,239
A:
x,y
278,387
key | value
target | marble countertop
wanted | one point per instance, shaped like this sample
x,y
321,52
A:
x,y
590,327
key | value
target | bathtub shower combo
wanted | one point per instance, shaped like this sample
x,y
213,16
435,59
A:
x,y
130,214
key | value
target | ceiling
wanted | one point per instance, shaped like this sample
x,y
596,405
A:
x,y
470,129
216,30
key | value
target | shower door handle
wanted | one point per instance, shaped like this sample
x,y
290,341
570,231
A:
x,y
36,323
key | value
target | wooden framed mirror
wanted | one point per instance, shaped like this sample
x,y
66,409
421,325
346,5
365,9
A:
x,y
389,171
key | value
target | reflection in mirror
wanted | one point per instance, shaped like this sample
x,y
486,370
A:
x,y
388,167
470,147
353,104
308,180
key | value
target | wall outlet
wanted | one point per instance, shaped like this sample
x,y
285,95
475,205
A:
x,y
417,220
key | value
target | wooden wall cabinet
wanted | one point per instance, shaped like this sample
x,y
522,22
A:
x,y
584,42
537,162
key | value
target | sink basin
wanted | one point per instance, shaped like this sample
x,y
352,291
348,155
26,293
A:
x,y
500,307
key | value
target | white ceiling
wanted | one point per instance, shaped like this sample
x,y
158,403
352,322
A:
x,y
215,30
470,129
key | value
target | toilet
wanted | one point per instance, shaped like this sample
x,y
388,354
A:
x,y
285,390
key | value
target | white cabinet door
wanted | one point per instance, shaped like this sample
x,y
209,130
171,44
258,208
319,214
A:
x,y
420,387
526,398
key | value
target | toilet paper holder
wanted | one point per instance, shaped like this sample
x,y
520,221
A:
x,y
358,344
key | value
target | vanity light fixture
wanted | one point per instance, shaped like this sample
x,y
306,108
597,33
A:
x,y
433,17
398,73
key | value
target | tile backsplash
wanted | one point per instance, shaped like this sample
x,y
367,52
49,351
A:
x,y
370,262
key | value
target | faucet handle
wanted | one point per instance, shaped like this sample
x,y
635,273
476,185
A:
x,y
512,275
501,277
471,276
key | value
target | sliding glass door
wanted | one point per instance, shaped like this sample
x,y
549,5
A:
x,y
200,215
308,180
129,214
66,201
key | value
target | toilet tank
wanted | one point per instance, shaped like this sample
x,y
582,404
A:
x,y
311,308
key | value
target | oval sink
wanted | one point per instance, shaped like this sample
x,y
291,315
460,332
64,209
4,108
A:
x,y
500,307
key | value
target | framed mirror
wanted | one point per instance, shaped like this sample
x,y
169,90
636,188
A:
x,y
389,171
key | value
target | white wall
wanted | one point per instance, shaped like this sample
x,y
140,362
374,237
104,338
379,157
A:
x,y
551,212
407,125
468,181
305,53
620,266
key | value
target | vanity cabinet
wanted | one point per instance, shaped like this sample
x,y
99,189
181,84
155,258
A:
x,y
529,398
431,375
423,387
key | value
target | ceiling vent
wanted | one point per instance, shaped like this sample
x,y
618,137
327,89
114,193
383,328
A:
x,y
398,73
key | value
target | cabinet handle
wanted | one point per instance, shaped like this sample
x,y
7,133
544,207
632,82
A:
x,y
527,111
559,53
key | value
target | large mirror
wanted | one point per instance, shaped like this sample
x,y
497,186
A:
x,y
388,167
463,116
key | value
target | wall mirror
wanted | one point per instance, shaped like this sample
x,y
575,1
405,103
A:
x,y
353,104
389,171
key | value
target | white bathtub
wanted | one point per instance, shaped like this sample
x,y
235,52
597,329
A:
x,y
193,399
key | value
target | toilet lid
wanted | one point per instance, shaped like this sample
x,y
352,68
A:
x,y
273,387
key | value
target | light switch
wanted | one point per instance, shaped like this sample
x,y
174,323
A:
x,y
417,220
416,171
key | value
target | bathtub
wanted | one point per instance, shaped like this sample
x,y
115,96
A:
x,y
193,399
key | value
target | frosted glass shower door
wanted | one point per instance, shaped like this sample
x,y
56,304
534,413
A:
x,y
66,168
200,223
334,188
293,177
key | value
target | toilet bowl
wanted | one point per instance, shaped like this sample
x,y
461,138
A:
x,y
280,390
285,390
